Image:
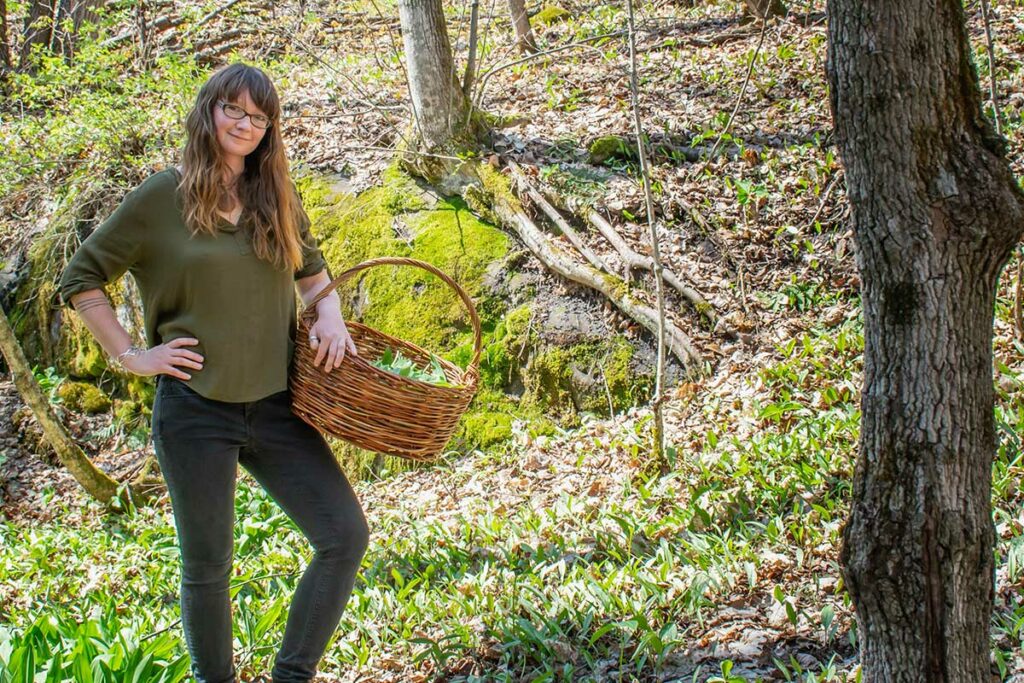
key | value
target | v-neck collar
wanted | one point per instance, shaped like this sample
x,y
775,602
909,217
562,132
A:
x,y
225,224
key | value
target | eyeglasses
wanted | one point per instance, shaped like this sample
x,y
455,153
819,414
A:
x,y
233,111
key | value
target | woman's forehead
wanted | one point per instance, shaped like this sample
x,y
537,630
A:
x,y
243,99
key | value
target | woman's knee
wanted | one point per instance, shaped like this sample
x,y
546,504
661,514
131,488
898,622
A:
x,y
350,541
206,572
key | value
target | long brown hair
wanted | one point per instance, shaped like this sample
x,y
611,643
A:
x,y
265,189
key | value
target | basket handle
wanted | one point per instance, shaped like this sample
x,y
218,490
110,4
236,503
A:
x,y
403,261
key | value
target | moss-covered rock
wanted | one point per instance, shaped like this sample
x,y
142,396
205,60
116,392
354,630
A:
x,y
83,397
551,14
610,147
594,376
132,412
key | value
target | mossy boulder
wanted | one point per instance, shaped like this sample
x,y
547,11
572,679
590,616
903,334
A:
x,y
593,376
607,147
83,397
400,218
551,14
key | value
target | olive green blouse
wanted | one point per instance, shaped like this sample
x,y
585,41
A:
x,y
213,288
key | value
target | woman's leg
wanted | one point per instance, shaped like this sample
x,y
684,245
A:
x,y
291,460
197,443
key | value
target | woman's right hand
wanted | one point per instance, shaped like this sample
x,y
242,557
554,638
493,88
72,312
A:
x,y
162,359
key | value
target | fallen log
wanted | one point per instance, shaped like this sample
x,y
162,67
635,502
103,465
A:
x,y
95,481
557,218
631,258
495,198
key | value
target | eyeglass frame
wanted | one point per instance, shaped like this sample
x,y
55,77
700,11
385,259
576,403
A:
x,y
222,104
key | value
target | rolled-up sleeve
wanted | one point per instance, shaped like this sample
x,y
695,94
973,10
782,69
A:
x,y
312,258
112,248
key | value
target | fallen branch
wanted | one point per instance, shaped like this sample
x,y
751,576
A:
x,y
557,218
509,212
635,261
667,148
210,16
631,259
158,25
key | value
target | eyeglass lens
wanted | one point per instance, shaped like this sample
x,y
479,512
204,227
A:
x,y
236,112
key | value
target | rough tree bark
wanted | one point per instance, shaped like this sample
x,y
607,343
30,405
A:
x,y
936,214
521,24
443,124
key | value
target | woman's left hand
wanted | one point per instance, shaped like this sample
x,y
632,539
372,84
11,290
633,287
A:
x,y
330,338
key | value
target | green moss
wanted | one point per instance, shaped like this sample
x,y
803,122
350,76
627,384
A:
x,y
130,412
398,218
552,13
494,188
625,386
485,429
83,397
620,288
608,147
503,349
395,219
83,354
489,420
141,390
615,384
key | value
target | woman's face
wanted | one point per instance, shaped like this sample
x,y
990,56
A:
x,y
238,137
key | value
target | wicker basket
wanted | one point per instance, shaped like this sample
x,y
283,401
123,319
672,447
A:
x,y
373,408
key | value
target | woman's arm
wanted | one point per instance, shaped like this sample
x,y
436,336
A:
x,y
95,311
310,286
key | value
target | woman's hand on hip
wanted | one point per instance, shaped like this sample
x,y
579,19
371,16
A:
x,y
164,359
330,338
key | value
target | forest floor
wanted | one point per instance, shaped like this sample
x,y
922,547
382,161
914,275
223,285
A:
x,y
764,439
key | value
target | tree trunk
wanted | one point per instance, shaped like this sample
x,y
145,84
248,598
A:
x,y
936,213
94,480
521,23
5,44
80,12
38,28
43,25
438,102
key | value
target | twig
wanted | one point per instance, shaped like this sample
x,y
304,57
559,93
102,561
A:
x,y
505,65
616,290
209,16
634,260
824,199
659,280
991,67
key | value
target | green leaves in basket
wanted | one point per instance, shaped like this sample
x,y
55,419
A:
x,y
393,361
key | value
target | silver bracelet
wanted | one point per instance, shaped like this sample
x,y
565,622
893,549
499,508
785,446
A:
x,y
132,350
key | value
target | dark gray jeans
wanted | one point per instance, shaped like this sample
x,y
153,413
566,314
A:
x,y
199,444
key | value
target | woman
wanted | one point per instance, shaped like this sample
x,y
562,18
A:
x,y
217,246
